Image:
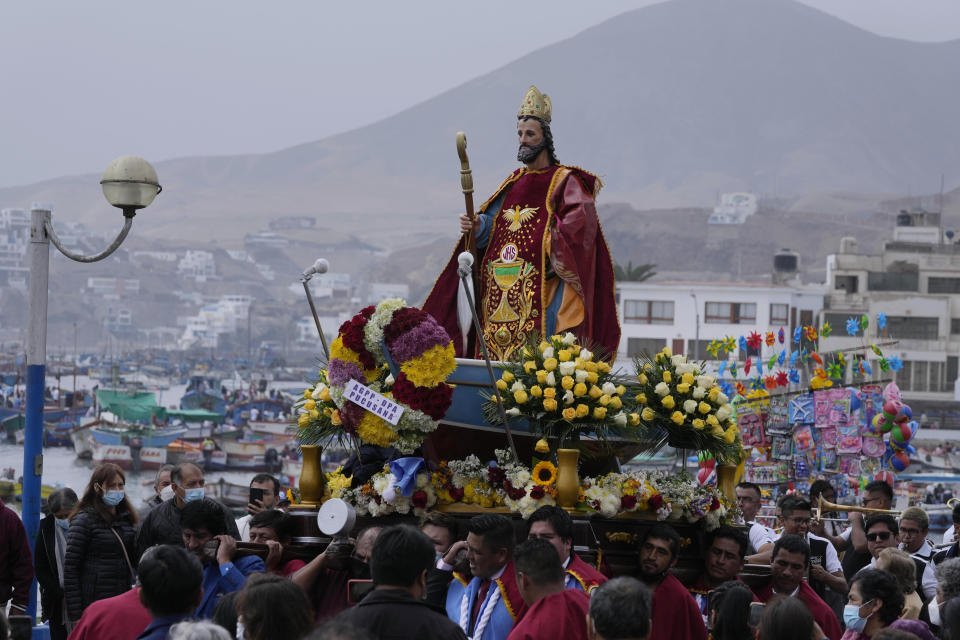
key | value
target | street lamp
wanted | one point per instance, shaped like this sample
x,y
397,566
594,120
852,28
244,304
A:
x,y
129,183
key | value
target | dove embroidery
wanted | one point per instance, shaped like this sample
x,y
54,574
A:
x,y
518,216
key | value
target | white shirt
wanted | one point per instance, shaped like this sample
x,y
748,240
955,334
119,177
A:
x,y
950,535
243,524
925,552
928,581
760,535
832,561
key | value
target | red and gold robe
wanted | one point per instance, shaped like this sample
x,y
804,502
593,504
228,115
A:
x,y
545,232
559,615
585,577
674,613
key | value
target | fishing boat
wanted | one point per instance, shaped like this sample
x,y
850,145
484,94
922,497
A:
x,y
203,392
130,458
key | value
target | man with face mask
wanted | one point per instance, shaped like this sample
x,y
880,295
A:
x,y
675,612
162,490
543,263
399,563
162,524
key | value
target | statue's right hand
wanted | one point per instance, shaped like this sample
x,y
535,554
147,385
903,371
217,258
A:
x,y
466,224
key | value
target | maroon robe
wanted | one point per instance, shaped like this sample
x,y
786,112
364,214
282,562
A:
x,y
822,613
586,576
559,615
674,613
566,232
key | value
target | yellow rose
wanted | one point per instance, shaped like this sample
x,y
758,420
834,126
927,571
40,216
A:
x,y
563,355
717,430
502,385
304,419
604,400
599,413
683,387
325,395
310,404
647,414
713,393
507,377
567,382
549,404
633,419
729,436
536,391
712,420
550,392
542,447
616,402
703,407
595,392
335,418
543,345
520,396
550,364
698,424
621,389
591,367
667,376
529,366
641,398
582,410
677,417
603,367
314,414
542,376
667,352
642,378
579,389
687,378
592,376
668,402
569,413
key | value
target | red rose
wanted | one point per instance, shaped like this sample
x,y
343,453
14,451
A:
x,y
655,501
456,494
419,499
537,492
714,505
628,502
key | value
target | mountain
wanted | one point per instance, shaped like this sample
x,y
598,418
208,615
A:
x,y
670,104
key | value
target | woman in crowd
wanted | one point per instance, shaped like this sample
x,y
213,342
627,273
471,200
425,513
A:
x,y
273,607
785,619
900,565
729,610
950,619
198,630
100,561
48,556
875,601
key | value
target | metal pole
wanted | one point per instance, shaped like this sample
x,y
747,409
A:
x,y
696,316
36,380
316,318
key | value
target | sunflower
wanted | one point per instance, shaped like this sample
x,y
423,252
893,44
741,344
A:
x,y
544,473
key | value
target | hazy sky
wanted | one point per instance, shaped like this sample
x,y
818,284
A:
x,y
84,82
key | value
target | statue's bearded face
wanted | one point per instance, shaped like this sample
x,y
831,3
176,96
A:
x,y
531,138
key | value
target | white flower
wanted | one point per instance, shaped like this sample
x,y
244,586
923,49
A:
x,y
620,419
690,406
513,412
723,413
677,360
585,355
662,389
318,391
609,388
548,353
568,338
568,397
567,368
722,398
705,381
551,380
388,381
699,393
517,386
581,375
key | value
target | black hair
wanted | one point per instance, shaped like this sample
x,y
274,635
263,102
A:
x,y
225,613
731,602
61,499
886,519
793,503
956,513
279,521
260,478
786,619
400,555
662,531
620,609
440,519
203,514
170,580
751,486
950,619
539,561
496,531
791,544
547,136
559,520
728,532
274,607
818,488
876,584
880,486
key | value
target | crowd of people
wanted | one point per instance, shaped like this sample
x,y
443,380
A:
x,y
173,569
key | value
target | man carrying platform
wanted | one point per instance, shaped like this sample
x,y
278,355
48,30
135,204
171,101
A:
x,y
543,264
553,524
554,610
674,611
723,560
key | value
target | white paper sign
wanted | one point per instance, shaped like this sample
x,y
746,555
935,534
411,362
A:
x,y
373,402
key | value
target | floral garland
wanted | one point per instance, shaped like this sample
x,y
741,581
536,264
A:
x,y
368,343
510,484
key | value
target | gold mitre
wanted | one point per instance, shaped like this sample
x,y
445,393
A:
x,y
536,104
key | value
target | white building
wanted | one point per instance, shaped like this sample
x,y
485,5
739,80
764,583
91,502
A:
x,y
113,287
226,315
915,282
307,329
734,208
14,240
198,265
678,313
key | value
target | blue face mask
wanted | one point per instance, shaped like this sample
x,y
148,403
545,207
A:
x,y
851,617
113,498
63,523
189,495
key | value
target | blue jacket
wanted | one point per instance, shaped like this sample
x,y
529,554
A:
x,y
217,582
504,613
160,627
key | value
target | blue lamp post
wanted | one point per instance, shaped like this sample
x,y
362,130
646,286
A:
x,y
129,183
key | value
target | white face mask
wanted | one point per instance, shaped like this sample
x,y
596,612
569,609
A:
x,y
166,493
933,610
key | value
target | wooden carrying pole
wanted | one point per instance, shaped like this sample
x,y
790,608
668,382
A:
x,y
469,239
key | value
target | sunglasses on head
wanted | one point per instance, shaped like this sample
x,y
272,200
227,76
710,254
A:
x,y
878,535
